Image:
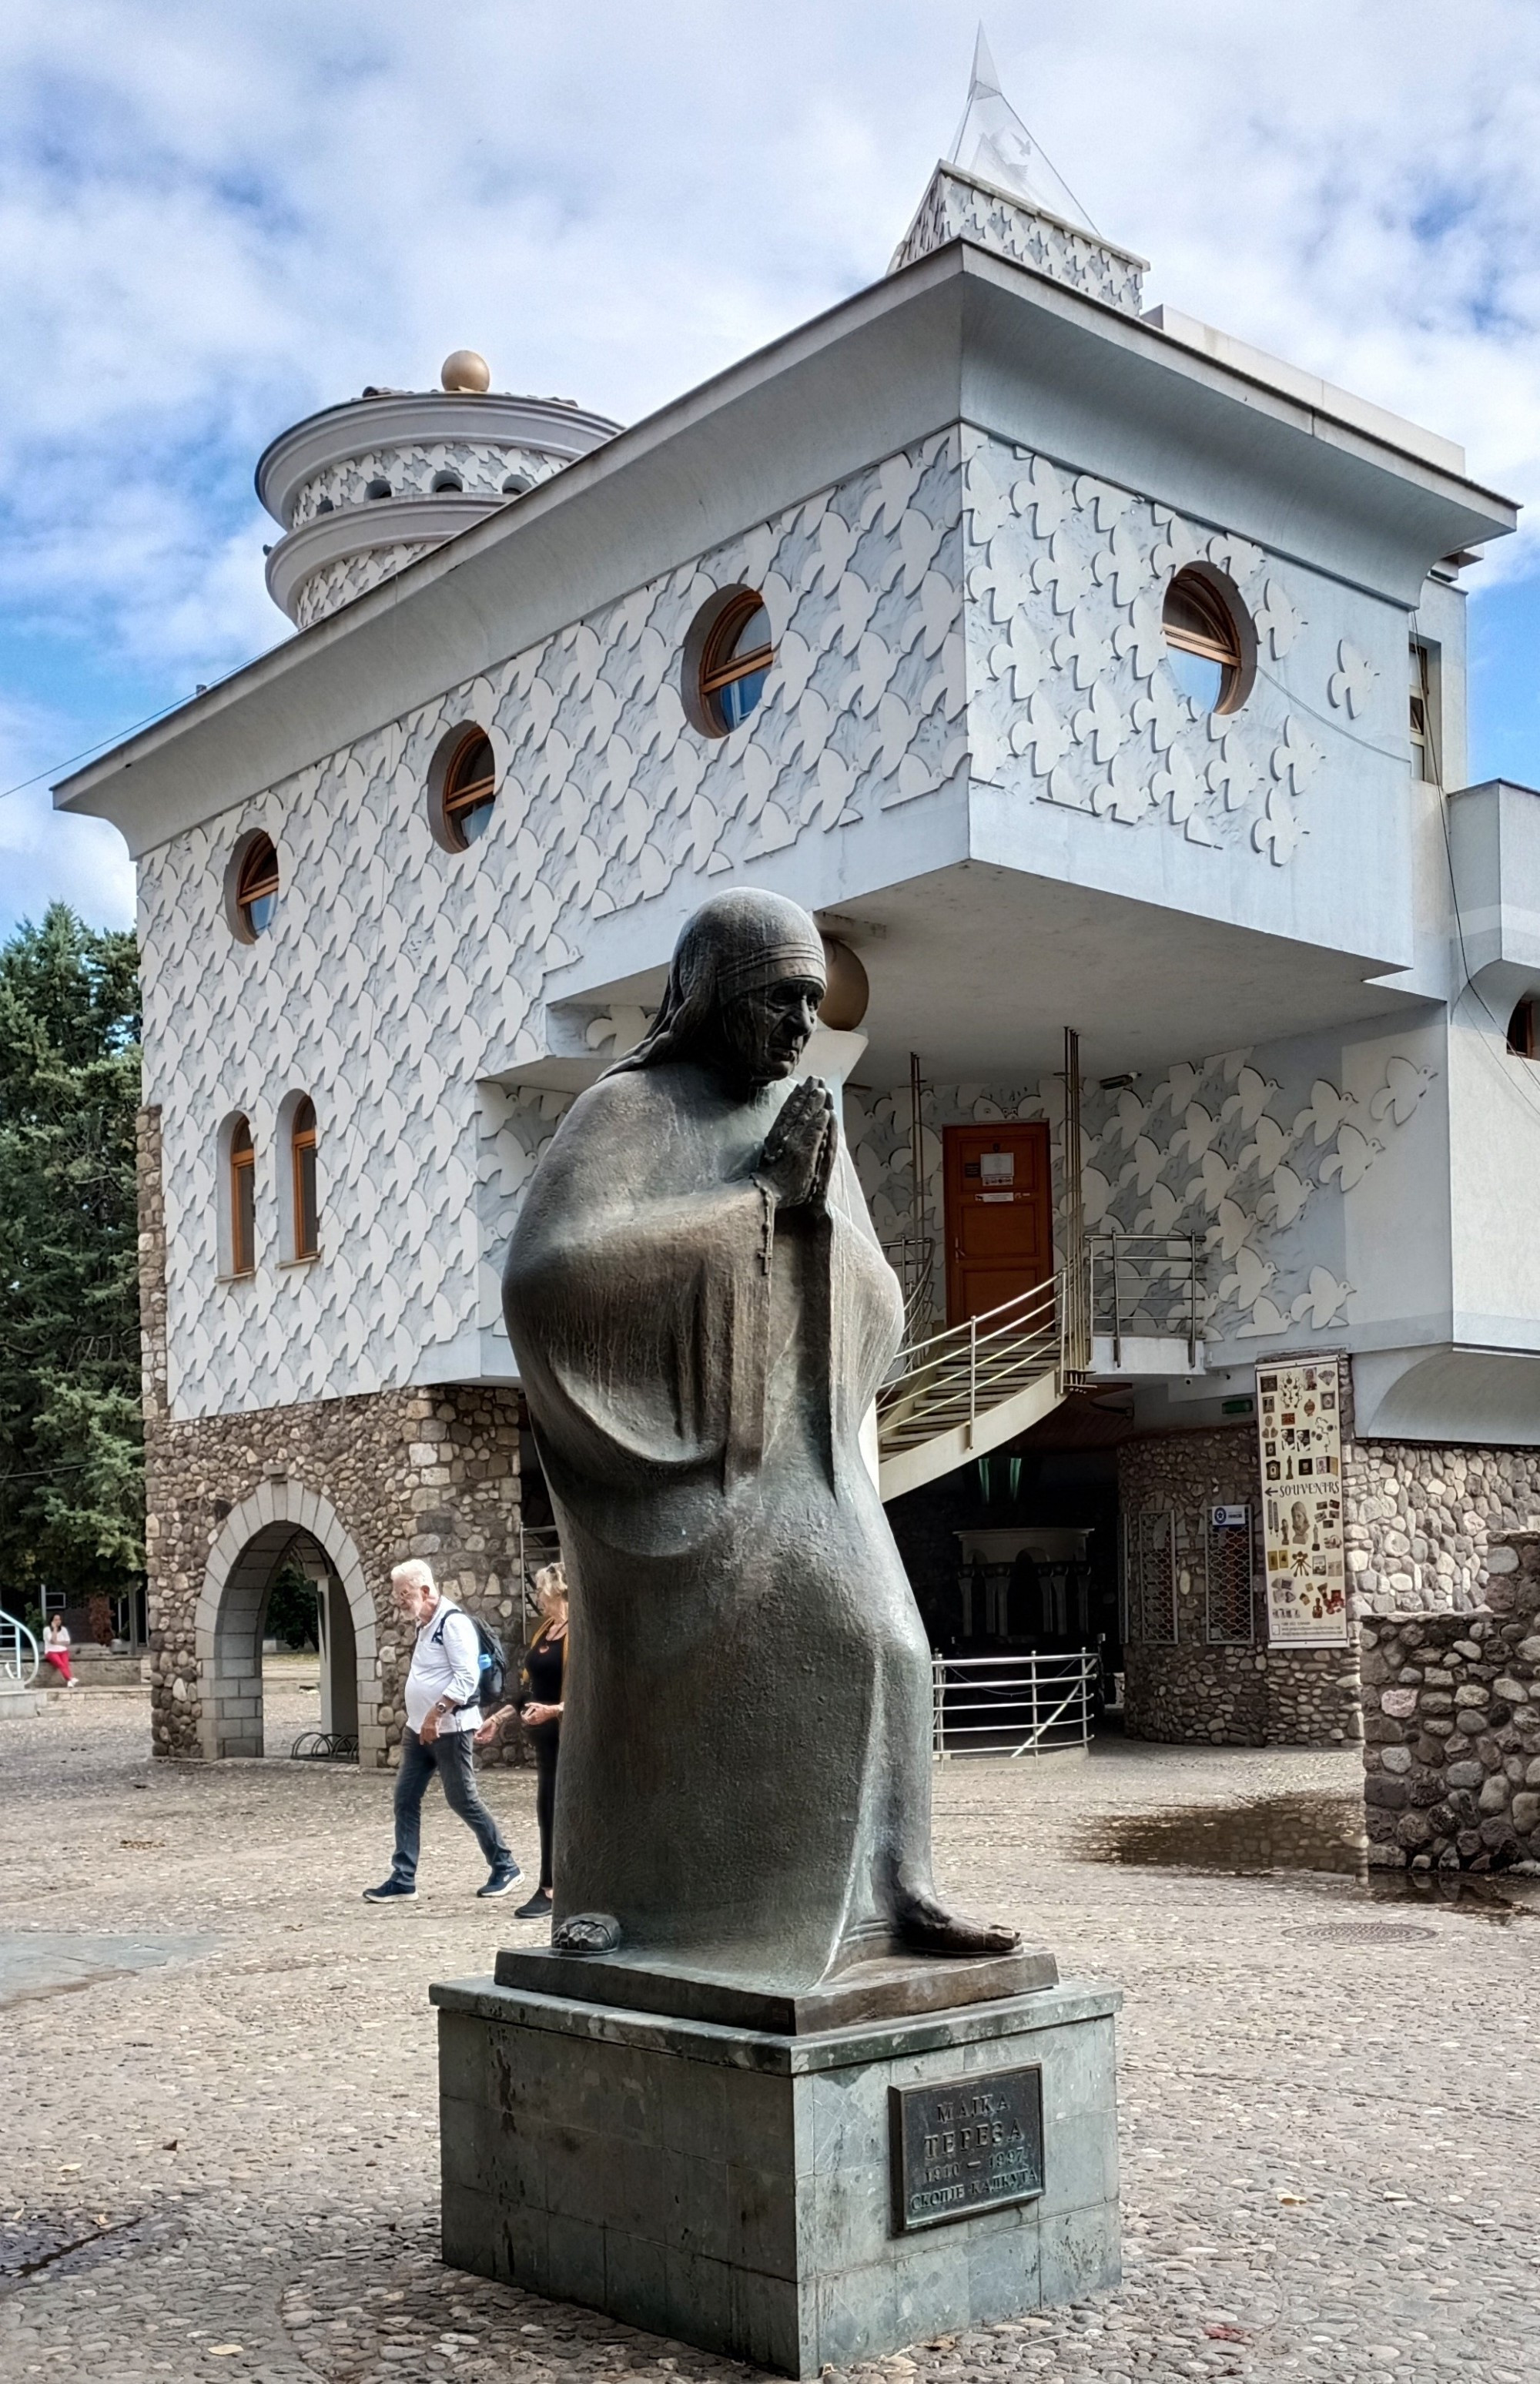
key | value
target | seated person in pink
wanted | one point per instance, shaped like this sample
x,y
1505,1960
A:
x,y
56,1651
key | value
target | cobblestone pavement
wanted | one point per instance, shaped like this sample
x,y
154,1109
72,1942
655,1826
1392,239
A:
x,y
221,2165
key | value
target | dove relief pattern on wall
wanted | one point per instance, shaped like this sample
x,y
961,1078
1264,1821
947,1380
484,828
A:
x,y
1217,1149
1071,700
395,975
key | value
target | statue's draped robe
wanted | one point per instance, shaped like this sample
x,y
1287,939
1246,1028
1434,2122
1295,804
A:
x,y
745,1773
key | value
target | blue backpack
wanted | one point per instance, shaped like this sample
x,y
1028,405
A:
x,y
492,1687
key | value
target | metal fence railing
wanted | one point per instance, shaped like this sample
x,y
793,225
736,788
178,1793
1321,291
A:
x,y
1144,1284
1013,1705
913,1260
19,1654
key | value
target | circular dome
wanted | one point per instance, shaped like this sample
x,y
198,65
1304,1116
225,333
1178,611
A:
x,y
844,1005
465,373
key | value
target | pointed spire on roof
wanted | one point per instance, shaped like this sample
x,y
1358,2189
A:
x,y
993,144
998,191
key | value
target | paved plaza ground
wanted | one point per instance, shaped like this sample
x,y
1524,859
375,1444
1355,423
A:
x,y
217,2134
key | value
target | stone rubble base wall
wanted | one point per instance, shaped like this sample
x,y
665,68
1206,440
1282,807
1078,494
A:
x,y
431,1473
1241,1697
1200,1692
1418,1520
1452,1725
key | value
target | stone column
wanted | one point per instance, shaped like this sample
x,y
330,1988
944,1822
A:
x,y
1452,1725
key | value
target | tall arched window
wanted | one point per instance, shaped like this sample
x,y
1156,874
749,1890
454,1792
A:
x,y
251,892
302,1160
242,1196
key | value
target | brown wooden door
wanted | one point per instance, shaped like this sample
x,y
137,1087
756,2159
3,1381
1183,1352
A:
x,y
999,1215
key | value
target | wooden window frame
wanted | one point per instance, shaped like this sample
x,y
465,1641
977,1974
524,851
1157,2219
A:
x,y
242,1190
460,797
720,667
1223,647
261,855
301,1156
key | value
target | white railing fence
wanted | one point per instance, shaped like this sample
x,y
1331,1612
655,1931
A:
x,y
19,1654
1013,1705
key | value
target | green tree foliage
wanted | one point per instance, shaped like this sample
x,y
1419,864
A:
x,y
291,1618
71,1462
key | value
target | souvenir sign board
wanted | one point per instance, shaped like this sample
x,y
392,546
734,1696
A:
x,y
1298,1422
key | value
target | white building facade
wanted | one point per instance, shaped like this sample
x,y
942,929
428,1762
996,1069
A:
x,y
993,756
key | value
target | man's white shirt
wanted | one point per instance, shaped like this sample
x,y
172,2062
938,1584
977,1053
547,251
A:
x,y
446,1662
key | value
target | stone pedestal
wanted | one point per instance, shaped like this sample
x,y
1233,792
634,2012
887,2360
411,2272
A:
x,y
790,2199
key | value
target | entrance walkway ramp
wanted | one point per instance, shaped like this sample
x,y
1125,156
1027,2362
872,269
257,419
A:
x,y
969,1389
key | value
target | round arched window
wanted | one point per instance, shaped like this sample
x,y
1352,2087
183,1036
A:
x,y
469,789
377,488
735,654
254,897
448,484
1523,1029
1205,644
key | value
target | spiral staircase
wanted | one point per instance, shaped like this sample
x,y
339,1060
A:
x,y
1125,1305
963,1392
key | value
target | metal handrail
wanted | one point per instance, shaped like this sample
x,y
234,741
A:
x,y
913,1260
1049,1698
947,1381
16,1670
1175,1257
943,1381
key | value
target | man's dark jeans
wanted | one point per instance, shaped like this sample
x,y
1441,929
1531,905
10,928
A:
x,y
450,1756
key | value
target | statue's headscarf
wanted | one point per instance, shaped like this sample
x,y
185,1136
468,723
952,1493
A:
x,y
735,943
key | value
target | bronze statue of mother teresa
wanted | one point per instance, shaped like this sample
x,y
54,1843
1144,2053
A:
x,y
701,1314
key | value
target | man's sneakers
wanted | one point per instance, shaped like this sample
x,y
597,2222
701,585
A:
x,y
538,1907
390,1890
504,1877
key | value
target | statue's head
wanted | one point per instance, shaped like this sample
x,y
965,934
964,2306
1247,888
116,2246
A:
x,y
745,984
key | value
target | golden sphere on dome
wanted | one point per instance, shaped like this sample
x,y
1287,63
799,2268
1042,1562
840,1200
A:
x,y
464,374
844,1005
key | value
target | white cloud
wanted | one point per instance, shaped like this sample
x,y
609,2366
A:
x,y
45,854
213,220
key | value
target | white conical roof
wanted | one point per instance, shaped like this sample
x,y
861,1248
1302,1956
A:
x,y
994,145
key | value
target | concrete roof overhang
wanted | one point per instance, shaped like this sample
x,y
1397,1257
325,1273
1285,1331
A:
x,y
979,968
960,335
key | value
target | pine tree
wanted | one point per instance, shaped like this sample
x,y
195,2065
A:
x,y
72,1463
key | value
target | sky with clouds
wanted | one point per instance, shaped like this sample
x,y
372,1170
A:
x,y
213,220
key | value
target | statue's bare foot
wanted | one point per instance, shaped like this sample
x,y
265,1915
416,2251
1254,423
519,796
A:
x,y
586,1932
927,1927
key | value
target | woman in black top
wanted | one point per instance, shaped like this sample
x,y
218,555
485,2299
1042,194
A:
x,y
539,1706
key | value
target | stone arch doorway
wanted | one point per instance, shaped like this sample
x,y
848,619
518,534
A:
x,y
284,1521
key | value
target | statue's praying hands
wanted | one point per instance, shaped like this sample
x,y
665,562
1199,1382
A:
x,y
797,1158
